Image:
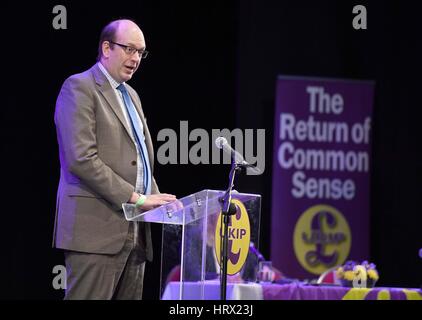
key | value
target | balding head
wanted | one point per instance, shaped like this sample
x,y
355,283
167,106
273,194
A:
x,y
114,30
127,26
121,45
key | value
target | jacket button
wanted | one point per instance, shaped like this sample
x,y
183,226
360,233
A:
x,y
133,163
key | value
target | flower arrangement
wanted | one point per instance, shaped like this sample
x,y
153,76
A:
x,y
365,274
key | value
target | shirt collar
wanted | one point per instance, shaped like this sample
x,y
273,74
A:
x,y
113,82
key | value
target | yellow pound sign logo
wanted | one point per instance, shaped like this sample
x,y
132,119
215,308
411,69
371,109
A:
x,y
321,239
239,238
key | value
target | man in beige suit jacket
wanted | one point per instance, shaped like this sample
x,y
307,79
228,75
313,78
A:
x,y
100,170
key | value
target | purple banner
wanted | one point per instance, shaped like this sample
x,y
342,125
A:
x,y
320,200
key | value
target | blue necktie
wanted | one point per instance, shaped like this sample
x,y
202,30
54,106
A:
x,y
139,137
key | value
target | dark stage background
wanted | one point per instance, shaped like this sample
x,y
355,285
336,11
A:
x,y
215,65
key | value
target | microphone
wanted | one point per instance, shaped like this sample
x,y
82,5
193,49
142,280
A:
x,y
255,251
222,143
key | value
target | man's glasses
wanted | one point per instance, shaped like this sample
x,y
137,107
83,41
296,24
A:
x,y
131,50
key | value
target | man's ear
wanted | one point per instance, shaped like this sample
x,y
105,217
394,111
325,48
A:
x,y
106,49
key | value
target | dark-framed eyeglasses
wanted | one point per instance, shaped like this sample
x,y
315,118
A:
x,y
131,50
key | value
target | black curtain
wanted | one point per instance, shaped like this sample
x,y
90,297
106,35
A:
x,y
214,65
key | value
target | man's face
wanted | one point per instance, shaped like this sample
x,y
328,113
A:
x,y
118,63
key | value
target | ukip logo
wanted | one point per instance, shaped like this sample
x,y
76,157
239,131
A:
x,y
239,238
322,239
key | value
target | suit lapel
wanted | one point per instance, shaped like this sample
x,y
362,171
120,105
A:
x,y
108,92
110,96
148,140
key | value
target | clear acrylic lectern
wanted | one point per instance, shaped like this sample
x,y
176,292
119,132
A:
x,y
191,241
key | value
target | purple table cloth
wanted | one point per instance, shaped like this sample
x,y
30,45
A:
x,y
297,291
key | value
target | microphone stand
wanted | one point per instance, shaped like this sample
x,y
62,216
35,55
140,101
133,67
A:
x,y
228,209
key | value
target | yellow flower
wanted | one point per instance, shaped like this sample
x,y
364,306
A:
x,y
373,274
349,275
